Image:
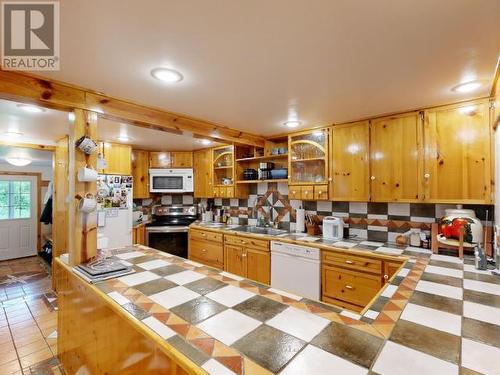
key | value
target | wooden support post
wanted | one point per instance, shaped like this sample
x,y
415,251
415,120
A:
x,y
82,236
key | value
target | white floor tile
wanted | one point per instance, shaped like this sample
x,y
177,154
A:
x,y
138,278
174,297
447,258
389,291
432,318
371,314
152,264
285,294
480,357
481,286
445,271
298,323
232,276
395,359
118,298
484,313
132,254
313,360
214,367
160,328
350,314
229,326
472,268
185,277
440,289
230,295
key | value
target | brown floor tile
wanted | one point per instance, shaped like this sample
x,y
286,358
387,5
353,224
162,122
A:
x,y
11,367
25,340
155,286
434,301
440,263
197,356
480,277
260,308
349,343
31,348
436,343
442,279
466,371
198,309
482,298
481,331
33,358
205,286
8,356
269,347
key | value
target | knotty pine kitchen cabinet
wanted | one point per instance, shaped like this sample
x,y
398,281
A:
x,y
458,154
140,173
396,158
202,170
139,235
308,165
350,171
173,159
118,158
248,258
206,247
225,168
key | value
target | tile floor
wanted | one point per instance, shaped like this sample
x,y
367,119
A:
x,y
28,319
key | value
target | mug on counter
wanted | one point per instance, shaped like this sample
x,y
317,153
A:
x,y
88,203
86,174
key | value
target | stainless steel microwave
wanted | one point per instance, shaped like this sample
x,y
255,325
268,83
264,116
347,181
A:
x,y
171,180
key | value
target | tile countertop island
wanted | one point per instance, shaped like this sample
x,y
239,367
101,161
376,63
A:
x,y
437,316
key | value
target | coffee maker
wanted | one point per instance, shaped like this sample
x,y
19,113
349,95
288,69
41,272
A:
x,y
265,171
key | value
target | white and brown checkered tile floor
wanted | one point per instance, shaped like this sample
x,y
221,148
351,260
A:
x,y
28,319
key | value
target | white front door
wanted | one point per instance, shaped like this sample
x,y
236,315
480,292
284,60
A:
x,y
18,216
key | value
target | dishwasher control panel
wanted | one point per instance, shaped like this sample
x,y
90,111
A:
x,y
295,250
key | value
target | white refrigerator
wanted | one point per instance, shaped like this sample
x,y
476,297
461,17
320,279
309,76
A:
x,y
114,211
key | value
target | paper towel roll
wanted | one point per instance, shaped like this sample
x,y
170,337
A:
x,y
300,225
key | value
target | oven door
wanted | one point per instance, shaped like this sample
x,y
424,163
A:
x,y
169,239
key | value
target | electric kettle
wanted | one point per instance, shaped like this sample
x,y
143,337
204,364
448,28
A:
x,y
333,228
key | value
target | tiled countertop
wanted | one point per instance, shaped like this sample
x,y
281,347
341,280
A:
x,y
438,316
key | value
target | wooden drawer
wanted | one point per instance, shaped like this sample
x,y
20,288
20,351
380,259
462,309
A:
x,y
247,242
353,262
206,252
343,304
294,192
307,192
350,286
321,192
205,235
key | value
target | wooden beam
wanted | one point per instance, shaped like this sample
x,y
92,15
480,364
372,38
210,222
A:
x,y
29,145
28,88
495,86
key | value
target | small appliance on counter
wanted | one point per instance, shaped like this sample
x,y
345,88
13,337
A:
x,y
333,228
265,171
279,173
250,174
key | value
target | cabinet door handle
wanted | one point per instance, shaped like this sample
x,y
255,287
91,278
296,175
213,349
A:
x,y
372,178
427,176
350,287
349,262
244,255
386,277
330,179
203,250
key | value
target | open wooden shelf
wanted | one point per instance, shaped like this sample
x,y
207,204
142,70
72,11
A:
x,y
257,181
224,167
308,159
269,157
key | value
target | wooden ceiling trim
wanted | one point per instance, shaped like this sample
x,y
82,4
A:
x,y
28,88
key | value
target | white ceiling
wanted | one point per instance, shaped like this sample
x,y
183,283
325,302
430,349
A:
x,y
38,157
250,65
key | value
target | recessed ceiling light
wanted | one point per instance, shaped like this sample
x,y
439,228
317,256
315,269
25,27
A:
x,y
292,123
205,141
30,108
467,110
167,75
124,138
12,134
467,86
18,161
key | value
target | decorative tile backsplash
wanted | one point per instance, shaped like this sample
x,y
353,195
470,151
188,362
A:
x,y
374,221
167,200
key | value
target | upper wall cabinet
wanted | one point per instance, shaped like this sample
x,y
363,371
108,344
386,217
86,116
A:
x,y
396,158
178,159
350,162
140,172
118,158
202,164
457,166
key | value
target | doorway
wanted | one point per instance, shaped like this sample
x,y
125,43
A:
x,y
18,215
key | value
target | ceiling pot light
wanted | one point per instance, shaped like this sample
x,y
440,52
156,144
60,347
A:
x,y
124,138
30,108
12,134
167,75
18,161
292,123
467,86
205,142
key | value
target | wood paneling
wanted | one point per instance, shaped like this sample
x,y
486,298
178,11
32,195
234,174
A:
x,y
140,173
182,159
202,168
60,195
28,88
350,162
97,335
457,163
396,158
118,159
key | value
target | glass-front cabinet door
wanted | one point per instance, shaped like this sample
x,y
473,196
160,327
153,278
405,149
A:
x,y
223,165
308,157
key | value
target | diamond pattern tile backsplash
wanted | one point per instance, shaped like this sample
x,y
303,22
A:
x,y
373,221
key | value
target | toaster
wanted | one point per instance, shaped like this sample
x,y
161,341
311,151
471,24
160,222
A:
x,y
333,228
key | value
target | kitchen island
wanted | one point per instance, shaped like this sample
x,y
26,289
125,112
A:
x,y
175,316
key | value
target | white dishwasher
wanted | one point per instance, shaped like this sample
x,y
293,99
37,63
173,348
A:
x,y
296,269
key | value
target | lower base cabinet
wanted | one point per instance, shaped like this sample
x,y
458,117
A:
x,y
139,235
245,261
206,247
